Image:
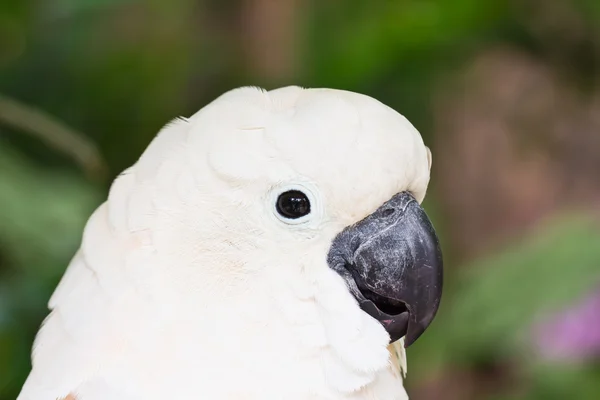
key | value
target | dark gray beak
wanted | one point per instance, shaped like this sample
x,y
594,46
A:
x,y
392,263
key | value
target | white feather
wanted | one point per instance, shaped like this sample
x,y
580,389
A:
x,y
187,287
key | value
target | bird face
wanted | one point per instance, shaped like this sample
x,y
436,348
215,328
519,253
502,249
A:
x,y
303,175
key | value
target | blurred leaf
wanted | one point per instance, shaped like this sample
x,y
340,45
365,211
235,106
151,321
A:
x,y
549,271
559,383
565,382
53,133
43,209
42,214
387,33
489,312
67,8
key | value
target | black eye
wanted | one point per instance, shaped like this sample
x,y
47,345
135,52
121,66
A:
x,y
293,204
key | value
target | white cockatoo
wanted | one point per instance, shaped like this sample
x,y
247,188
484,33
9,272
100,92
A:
x,y
271,246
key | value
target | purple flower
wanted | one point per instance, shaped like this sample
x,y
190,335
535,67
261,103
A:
x,y
573,334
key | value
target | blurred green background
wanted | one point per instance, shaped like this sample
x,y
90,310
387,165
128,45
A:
x,y
506,94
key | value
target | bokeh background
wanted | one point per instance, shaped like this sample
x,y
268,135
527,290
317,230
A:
x,y
505,92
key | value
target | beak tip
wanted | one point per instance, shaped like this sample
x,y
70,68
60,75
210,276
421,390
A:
x,y
416,328
412,335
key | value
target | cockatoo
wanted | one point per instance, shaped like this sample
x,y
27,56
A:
x,y
271,246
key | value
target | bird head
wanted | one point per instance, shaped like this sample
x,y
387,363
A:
x,y
299,184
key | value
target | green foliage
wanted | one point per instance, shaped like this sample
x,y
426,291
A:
x,y
546,273
368,39
42,214
490,306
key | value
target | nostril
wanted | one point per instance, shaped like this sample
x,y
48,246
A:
x,y
387,212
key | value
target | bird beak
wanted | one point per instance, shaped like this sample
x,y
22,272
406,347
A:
x,y
392,263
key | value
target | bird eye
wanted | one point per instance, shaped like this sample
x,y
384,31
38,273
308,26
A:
x,y
293,204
